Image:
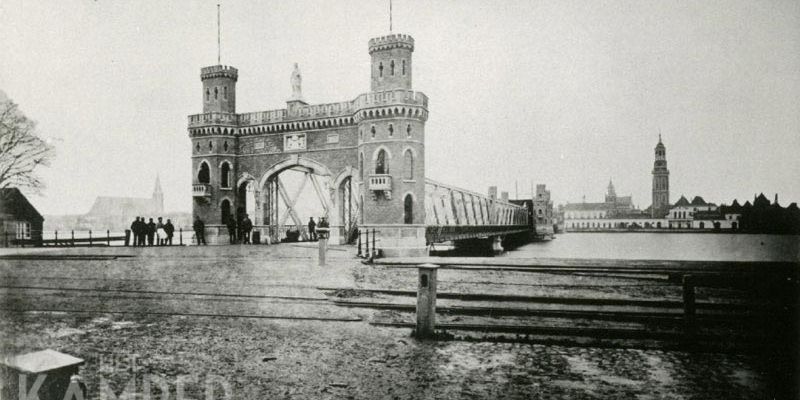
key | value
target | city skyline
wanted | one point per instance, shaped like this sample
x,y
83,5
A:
x,y
569,95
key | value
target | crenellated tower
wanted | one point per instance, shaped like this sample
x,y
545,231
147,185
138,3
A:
x,y
391,124
391,62
661,203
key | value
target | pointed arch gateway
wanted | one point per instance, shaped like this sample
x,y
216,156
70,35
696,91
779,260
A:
x,y
281,204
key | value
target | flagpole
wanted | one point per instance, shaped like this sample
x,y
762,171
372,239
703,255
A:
x,y
390,16
219,47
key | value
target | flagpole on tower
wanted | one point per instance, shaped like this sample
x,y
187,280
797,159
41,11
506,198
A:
x,y
390,16
219,47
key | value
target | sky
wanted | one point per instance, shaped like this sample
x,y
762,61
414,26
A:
x,y
567,93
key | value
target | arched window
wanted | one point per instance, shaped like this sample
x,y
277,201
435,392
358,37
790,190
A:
x,y
361,165
225,92
372,130
391,130
380,163
225,175
204,175
408,165
391,67
225,211
216,92
408,130
197,146
208,94
225,146
380,70
210,145
408,210
404,67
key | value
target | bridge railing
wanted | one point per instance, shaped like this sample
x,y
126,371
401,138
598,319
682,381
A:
x,y
447,205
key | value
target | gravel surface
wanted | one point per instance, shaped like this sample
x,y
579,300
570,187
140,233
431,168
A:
x,y
224,315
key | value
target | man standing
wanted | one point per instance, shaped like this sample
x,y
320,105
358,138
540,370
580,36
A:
x,y
151,232
134,229
231,224
141,232
247,226
312,229
161,235
169,229
199,230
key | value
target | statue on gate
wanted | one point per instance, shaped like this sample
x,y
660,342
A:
x,y
297,81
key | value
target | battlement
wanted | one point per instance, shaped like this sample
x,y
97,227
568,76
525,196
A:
x,y
219,71
390,42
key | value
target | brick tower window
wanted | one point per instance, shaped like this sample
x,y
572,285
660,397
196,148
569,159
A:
x,y
225,92
391,130
404,67
380,163
408,130
391,67
372,130
380,70
204,175
208,95
408,210
216,93
408,165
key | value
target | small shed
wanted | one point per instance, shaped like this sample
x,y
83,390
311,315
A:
x,y
20,222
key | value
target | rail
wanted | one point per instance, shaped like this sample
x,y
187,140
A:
x,y
777,278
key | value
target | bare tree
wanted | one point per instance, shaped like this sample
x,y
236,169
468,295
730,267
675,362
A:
x,y
21,150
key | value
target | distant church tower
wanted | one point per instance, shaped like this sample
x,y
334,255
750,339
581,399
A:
x,y
158,197
660,205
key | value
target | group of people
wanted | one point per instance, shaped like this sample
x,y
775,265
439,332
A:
x,y
239,231
312,227
150,233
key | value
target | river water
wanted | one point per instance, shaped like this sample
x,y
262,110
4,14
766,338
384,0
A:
x,y
665,246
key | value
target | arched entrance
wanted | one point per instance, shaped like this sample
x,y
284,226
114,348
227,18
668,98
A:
x,y
293,191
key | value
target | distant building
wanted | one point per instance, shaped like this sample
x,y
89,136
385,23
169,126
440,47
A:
x,y
660,205
615,212
540,211
19,219
682,214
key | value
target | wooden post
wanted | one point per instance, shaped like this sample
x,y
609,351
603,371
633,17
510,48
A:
x,y
180,236
323,244
108,238
426,301
374,249
367,240
90,238
127,237
689,307
55,243
72,233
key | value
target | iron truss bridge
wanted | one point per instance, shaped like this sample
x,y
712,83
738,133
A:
x,y
453,213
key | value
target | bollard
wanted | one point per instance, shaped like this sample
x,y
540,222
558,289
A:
x,y
180,236
127,237
689,308
108,238
366,254
90,238
374,249
322,236
426,301
72,243
359,245
56,240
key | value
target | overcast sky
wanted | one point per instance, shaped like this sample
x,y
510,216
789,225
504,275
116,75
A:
x,y
564,93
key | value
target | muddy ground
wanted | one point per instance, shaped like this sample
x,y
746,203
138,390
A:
x,y
252,320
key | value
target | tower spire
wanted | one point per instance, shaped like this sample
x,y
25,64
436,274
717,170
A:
x,y
219,45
